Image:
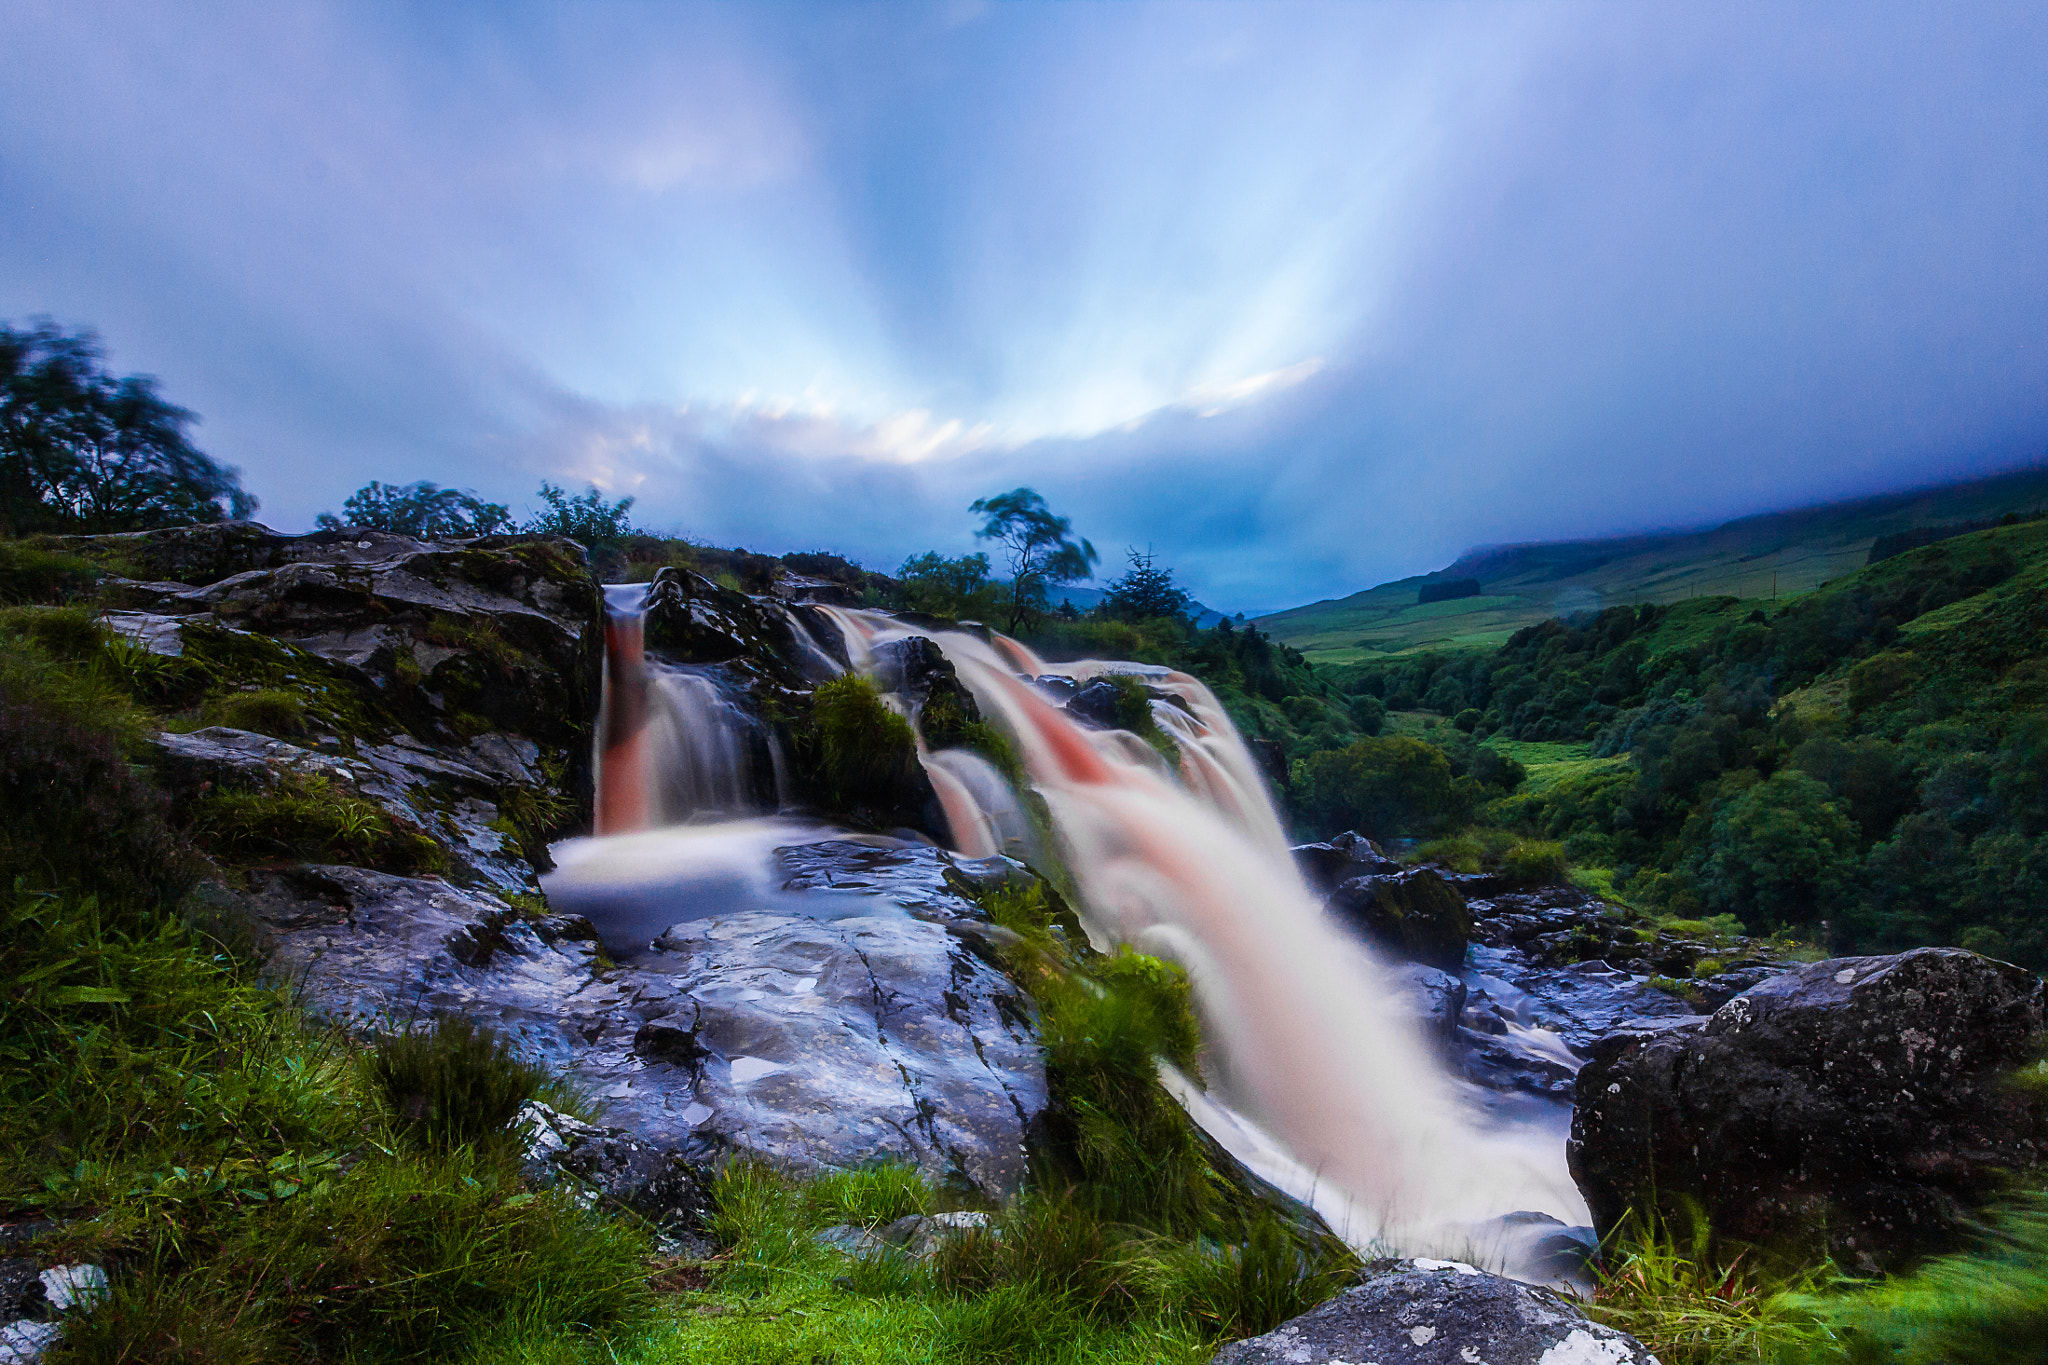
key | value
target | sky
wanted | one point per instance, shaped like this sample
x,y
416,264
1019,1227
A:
x,y
1300,297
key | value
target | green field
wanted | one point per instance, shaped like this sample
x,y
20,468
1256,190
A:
x,y
1781,554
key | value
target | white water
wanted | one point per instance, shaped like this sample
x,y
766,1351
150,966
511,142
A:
x,y
1316,1079
1307,1041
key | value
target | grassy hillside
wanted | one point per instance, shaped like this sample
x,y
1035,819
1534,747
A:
x,y
1786,552
1866,763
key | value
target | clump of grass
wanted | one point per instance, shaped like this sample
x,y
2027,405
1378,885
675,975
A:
x,y
1986,1304
1227,1291
406,1258
1694,1308
76,814
877,1193
267,711
177,1113
992,744
866,754
308,817
451,1083
32,574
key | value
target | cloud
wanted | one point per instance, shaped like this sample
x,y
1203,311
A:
x,y
1303,296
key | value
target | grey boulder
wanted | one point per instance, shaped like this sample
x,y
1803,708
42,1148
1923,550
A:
x,y
1423,1312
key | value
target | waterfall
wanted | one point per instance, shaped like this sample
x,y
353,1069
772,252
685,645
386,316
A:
x,y
1306,1040
674,743
1314,1076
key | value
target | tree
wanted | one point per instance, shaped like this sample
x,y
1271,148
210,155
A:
x,y
1039,546
81,450
588,519
421,510
1144,592
1781,852
959,588
1383,787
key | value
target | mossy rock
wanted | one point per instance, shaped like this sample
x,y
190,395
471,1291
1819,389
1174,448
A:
x,y
1416,916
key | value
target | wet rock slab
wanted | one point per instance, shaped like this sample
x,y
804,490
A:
x,y
1423,1312
811,1041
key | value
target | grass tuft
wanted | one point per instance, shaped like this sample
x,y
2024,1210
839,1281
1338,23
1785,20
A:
x,y
450,1083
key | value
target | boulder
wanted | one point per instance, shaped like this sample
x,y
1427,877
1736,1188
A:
x,y
1866,1100
940,704
1325,865
1414,916
1434,998
1424,1312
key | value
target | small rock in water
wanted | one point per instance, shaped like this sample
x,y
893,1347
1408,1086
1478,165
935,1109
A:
x,y
1424,1312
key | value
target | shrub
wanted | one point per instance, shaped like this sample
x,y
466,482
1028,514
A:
x,y
1368,713
279,714
452,1083
1384,787
1535,862
77,816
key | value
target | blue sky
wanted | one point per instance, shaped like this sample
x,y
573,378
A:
x,y
1303,297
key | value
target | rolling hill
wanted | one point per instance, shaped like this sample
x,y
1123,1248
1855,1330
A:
x,y
1783,552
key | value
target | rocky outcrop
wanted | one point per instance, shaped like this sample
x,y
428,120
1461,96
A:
x,y
1422,1312
916,669
450,683
1414,916
1863,1100
860,1017
1323,866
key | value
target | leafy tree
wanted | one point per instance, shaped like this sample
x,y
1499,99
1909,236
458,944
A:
x,y
1383,787
419,509
587,519
1039,546
1144,592
1782,852
959,588
81,450
1369,714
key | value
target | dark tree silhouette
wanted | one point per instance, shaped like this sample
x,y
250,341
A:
x,y
420,509
81,450
1145,591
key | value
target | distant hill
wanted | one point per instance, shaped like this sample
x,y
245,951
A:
x,y
1796,551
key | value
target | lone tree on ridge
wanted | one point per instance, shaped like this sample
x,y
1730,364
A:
x,y
1039,547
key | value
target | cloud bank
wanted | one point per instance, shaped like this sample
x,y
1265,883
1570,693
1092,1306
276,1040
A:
x,y
1301,296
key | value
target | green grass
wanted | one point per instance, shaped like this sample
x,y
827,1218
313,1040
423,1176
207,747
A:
x,y
1691,1307
1047,1283
184,1124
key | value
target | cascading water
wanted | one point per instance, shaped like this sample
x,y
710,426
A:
x,y
1307,1042
1315,1078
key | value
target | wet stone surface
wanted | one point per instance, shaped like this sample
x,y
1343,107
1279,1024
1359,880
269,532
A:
x,y
1423,1312
812,1041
